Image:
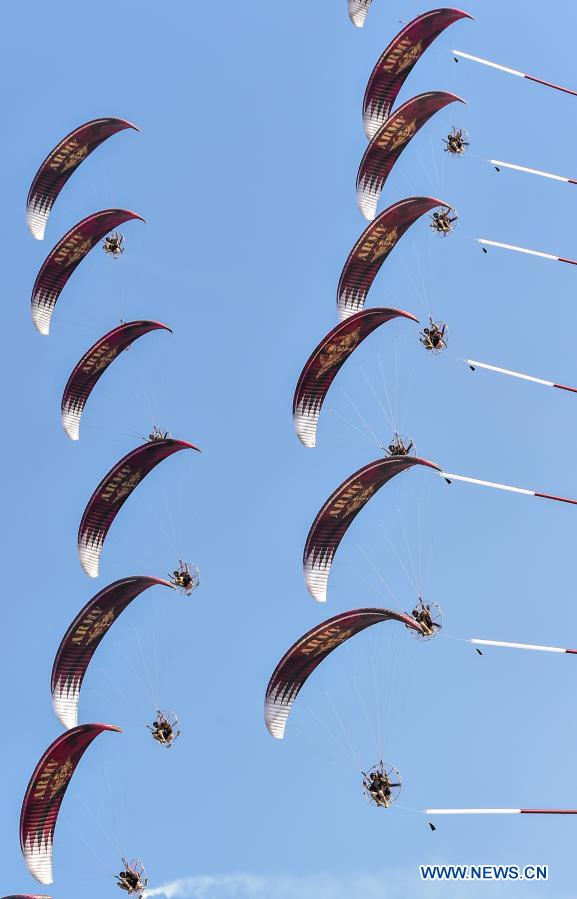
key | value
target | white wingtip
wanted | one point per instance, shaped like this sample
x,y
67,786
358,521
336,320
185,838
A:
x,y
71,423
36,222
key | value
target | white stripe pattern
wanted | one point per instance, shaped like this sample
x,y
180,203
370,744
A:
x,y
89,551
38,857
65,701
36,218
358,10
374,116
276,714
350,301
368,194
317,574
305,421
42,308
70,418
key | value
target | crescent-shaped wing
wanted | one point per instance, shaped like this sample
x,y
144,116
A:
x,y
310,650
66,255
390,141
92,366
396,62
372,248
83,637
61,163
113,491
339,511
326,360
358,10
45,793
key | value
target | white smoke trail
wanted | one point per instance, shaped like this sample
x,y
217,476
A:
x,y
388,884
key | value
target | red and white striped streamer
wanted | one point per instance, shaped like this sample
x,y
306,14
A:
x,y
474,364
509,246
523,168
531,646
500,811
507,487
494,65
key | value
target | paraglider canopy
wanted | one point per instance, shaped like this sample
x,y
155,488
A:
x,y
358,10
299,662
83,637
325,362
373,247
66,256
397,61
390,141
45,793
114,490
61,163
339,511
90,368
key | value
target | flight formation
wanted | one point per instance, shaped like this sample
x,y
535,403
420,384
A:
x,y
99,231
389,126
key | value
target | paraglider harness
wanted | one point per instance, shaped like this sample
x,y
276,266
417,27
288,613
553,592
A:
x,y
434,338
442,222
157,434
456,142
163,728
114,244
398,446
132,878
378,787
422,615
183,579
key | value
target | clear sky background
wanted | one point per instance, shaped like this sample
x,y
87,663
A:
x,y
244,171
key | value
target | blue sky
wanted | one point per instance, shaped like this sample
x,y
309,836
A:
x,y
244,171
